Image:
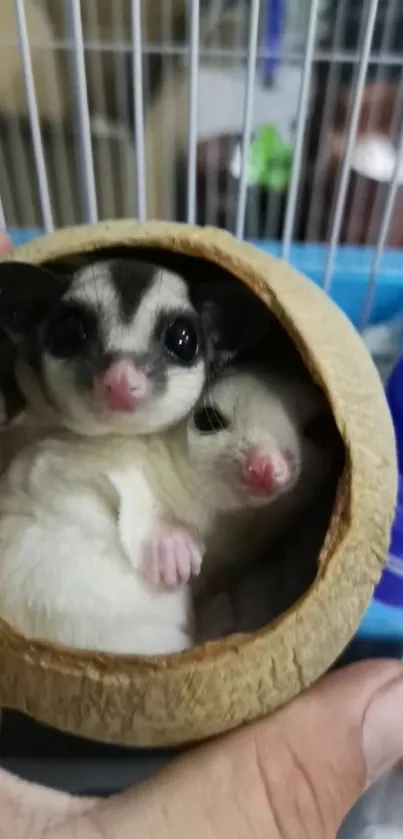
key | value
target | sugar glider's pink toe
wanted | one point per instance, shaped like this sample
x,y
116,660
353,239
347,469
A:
x,y
182,555
168,564
196,556
171,557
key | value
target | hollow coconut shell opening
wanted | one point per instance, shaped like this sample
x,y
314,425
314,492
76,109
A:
x,y
138,701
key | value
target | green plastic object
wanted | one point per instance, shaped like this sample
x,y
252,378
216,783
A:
x,y
270,159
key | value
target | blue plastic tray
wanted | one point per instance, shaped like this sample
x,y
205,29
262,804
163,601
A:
x,y
352,271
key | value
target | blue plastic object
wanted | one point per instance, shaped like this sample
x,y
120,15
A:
x,y
20,236
352,271
274,27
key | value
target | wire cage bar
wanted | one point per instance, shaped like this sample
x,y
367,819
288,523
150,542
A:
x,y
300,130
83,112
193,108
247,115
47,215
139,109
350,139
252,115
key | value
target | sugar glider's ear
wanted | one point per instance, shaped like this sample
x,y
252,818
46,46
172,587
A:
x,y
307,398
235,322
27,296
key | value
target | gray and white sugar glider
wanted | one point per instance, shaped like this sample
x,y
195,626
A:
x,y
121,345
99,537
101,353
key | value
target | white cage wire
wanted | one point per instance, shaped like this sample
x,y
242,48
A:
x,y
278,119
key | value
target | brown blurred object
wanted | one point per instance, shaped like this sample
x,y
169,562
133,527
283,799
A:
x,y
114,170
52,93
366,198
333,89
107,33
166,120
109,22
218,191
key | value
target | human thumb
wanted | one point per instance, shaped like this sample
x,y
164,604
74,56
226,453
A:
x,y
295,774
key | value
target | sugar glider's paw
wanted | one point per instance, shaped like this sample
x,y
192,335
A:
x,y
171,557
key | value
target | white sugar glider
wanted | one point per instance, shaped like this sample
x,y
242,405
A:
x,y
285,410
282,573
98,537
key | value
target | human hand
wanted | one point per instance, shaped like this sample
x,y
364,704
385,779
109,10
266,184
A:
x,y
294,774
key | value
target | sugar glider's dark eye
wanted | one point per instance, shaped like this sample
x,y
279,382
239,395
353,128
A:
x,y
209,420
181,340
68,331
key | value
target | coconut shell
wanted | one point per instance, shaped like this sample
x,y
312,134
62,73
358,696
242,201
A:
x,y
137,701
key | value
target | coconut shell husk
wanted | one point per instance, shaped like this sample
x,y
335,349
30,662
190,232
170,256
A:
x,y
136,701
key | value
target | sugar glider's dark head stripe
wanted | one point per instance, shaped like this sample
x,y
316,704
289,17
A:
x,y
130,280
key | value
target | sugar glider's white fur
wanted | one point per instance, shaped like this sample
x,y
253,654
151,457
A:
x,y
262,406
75,516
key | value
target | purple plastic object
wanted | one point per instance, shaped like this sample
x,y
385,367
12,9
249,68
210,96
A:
x,y
274,27
394,394
390,588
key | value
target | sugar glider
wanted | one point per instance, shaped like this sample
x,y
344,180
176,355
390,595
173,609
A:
x,y
283,570
116,348
99,536
119,345
281,408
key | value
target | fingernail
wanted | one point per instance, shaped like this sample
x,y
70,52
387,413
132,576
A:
x,y
383,730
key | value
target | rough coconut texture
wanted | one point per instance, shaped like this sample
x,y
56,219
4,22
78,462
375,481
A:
x,y
182,698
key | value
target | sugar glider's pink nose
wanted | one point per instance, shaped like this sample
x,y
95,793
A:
x,y
266,471
123,386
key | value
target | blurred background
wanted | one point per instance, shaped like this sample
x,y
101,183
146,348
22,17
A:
x,y
279,120
222,56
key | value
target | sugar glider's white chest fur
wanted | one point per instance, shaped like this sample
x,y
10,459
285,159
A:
x,y
74,517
